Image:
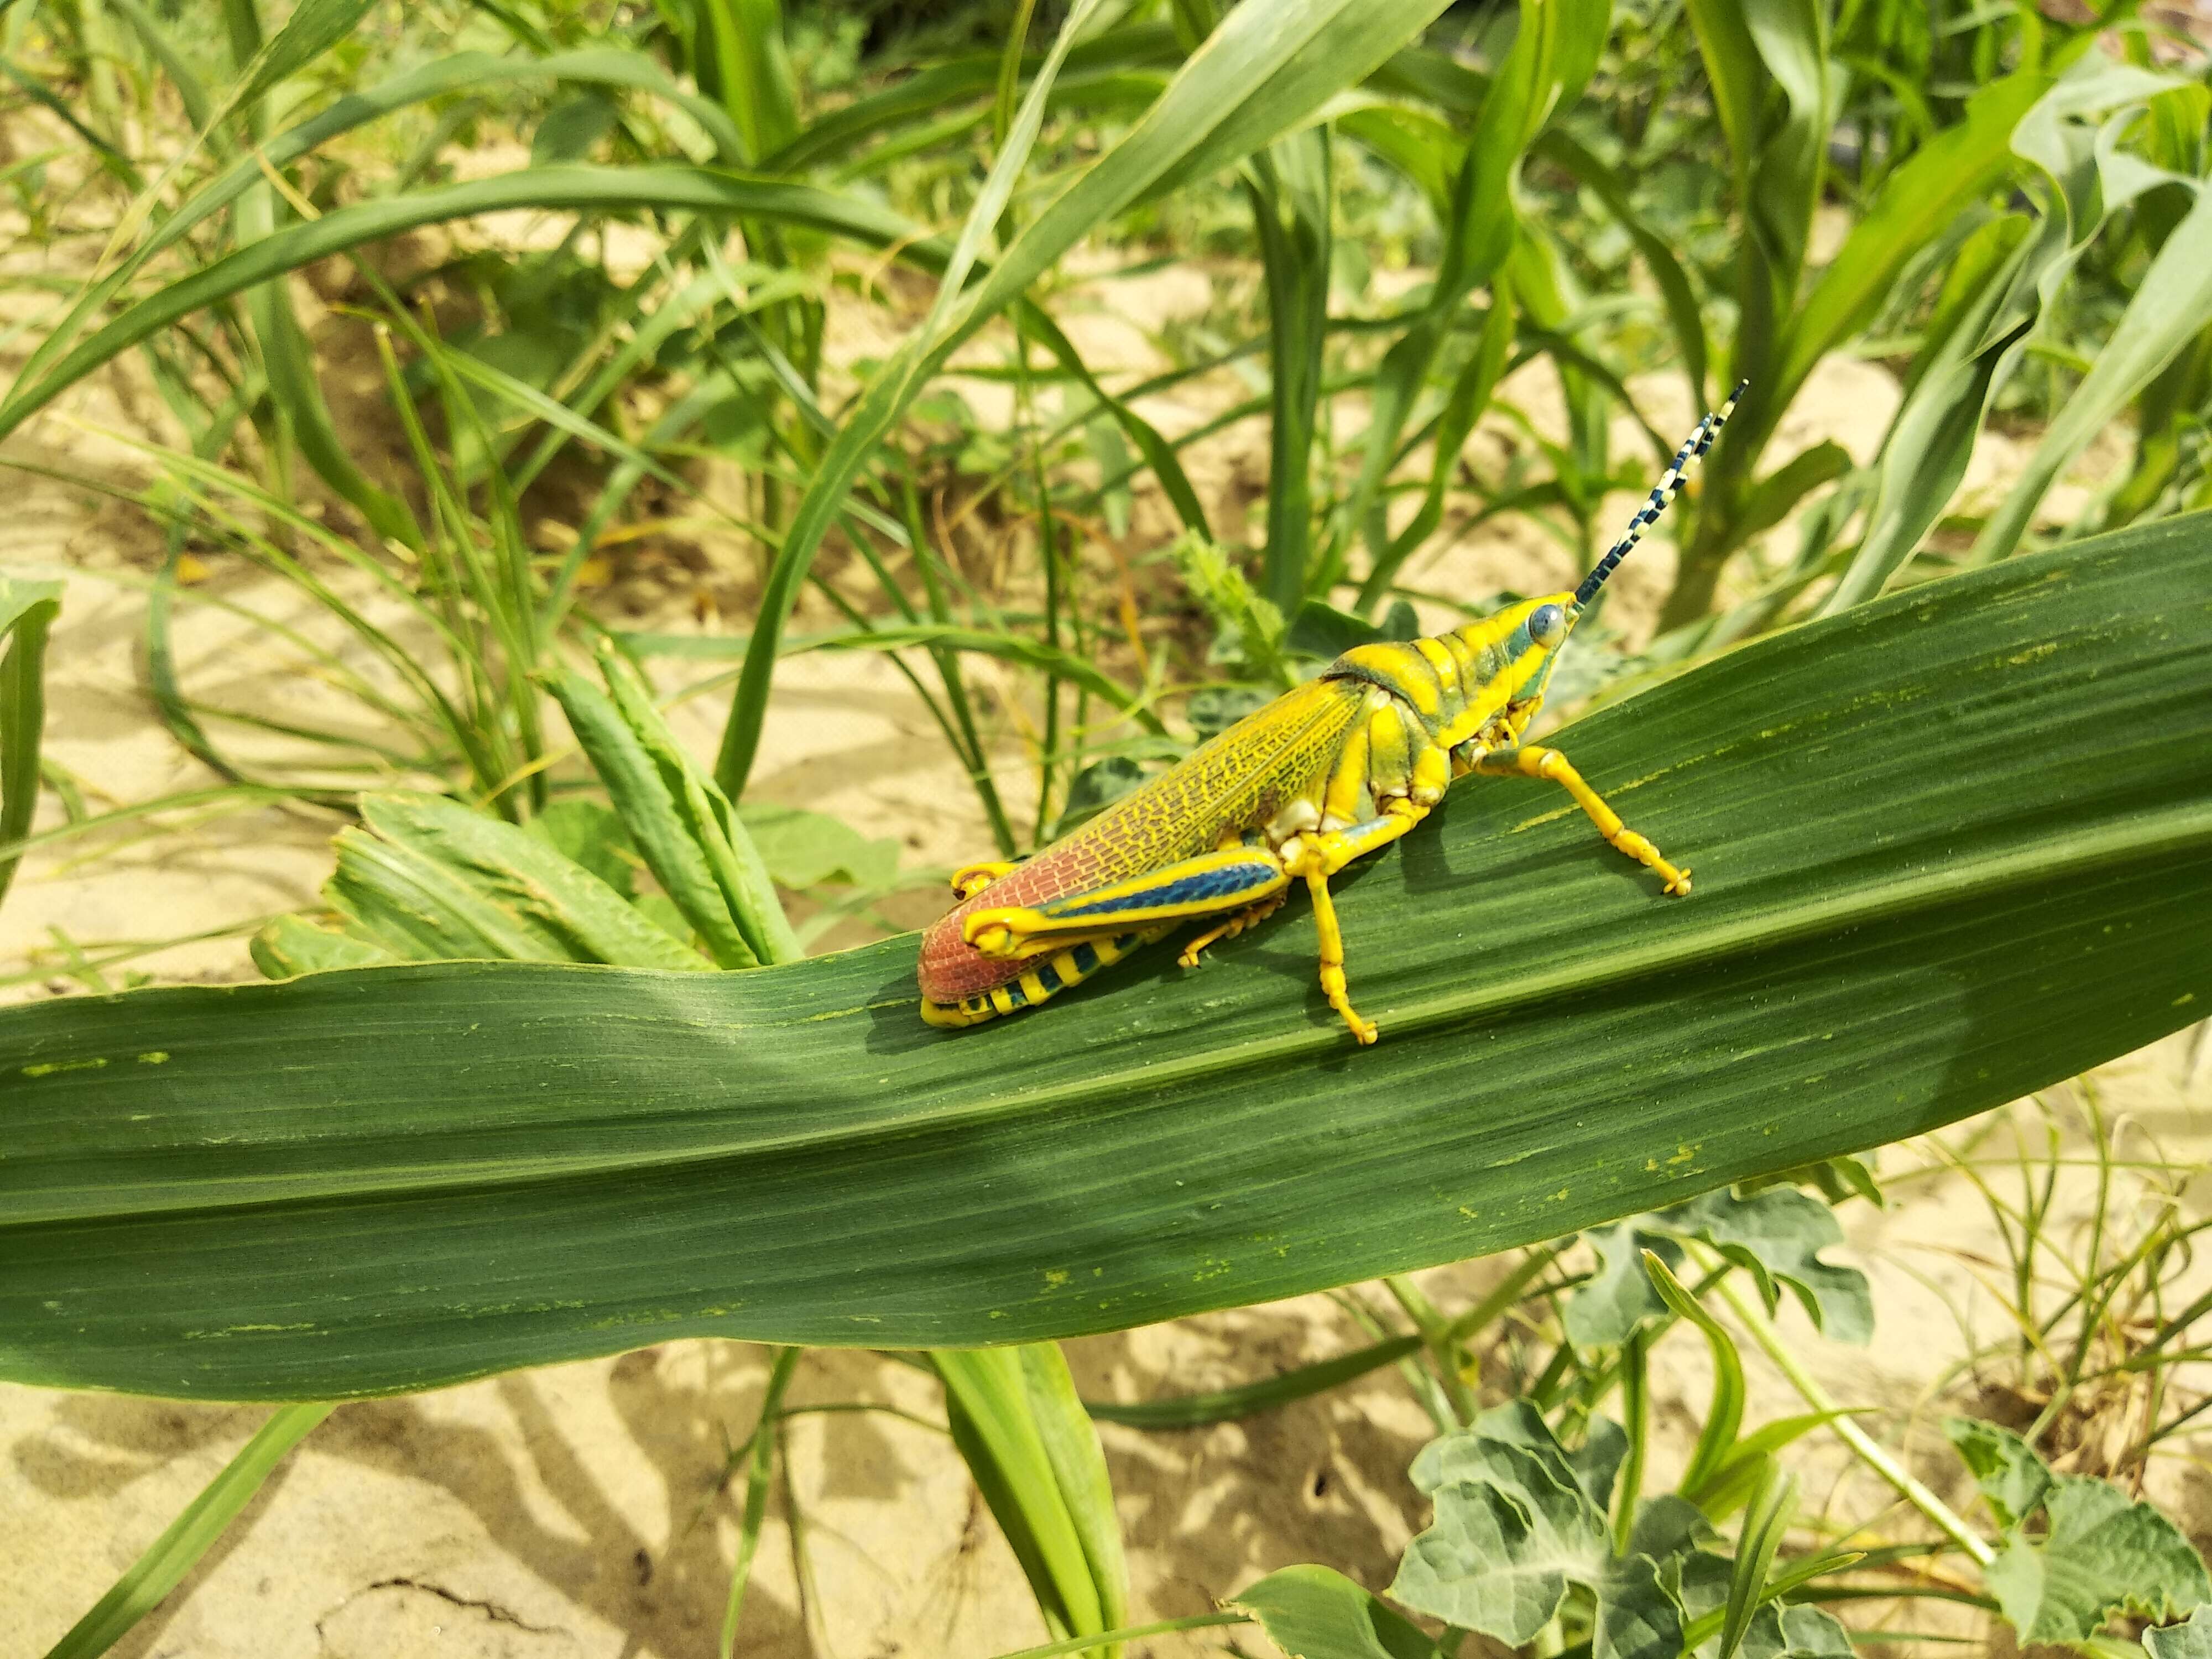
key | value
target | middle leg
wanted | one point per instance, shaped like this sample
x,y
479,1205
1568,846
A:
x,y
1318,857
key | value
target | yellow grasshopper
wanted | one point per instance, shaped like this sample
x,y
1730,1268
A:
x,y
1327,772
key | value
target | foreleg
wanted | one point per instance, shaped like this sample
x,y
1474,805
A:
x,y
1534,761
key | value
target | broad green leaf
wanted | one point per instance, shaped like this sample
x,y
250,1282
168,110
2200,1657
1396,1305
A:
x,y
1776,1234
2191,1640
28,609
2013,1477
801,849
2102,1556
2096,1555
1779,1633
1951,847
1514,1527
1317,1612
1263,71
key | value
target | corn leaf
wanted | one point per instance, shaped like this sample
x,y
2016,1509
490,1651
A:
x,y
1951,847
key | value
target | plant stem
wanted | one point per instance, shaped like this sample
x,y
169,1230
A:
x,y
1106,1638
1436,1337
1761,1330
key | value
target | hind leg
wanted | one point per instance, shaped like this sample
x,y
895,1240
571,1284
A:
x,y
1234,878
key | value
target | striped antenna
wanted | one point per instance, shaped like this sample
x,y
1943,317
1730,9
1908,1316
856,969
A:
x,y
1663,492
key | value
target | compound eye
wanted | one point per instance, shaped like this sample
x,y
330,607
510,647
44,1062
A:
x,y
1547,625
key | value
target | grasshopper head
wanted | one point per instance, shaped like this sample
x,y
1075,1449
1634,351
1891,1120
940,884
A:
x,y
1533,648
1538,632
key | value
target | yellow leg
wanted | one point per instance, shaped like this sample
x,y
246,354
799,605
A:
x,y
1229,929
971,879
1534,761
1318,857
1333,984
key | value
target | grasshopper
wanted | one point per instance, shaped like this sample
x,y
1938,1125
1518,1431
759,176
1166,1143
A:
x,y
1327,772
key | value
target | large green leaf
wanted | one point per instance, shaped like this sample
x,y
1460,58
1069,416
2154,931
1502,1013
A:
x,y
1950,846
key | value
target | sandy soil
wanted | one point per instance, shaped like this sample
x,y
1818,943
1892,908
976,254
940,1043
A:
x,y
584,1509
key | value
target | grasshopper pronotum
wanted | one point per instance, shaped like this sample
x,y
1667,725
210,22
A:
x,y
1327,772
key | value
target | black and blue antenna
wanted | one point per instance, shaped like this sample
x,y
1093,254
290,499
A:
x,y
1665,491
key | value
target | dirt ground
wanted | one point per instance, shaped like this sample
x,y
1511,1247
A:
x,y
584,1510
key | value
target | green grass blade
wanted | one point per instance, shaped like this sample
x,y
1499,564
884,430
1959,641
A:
x,y
28,609
755,1514
741,59
2172,303
1259,74
841,133
1717,1438
578,187
1931,439
1683,313
175,1552
1951,846
1951,171
989,1401
1292,191
681,823
531,903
